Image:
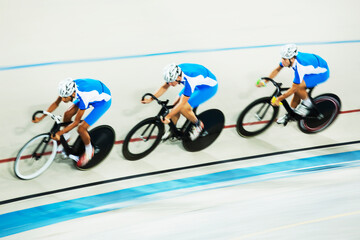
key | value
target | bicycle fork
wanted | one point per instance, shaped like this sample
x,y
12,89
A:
x,y
258,114
145,139
45,142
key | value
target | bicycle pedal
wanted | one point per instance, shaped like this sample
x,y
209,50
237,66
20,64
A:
x,y
96,150
204,133
320,116
63,155
173,139
166,139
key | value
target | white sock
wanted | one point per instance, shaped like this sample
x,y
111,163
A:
x,y
73,157
88,150
307,102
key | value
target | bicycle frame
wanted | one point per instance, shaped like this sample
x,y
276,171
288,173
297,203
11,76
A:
x,y
165,108
278,91
38,156
55,128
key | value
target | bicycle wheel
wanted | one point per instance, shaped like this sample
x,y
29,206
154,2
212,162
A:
x,y
214,121
35,157
256,117
329,107
143,139
102,139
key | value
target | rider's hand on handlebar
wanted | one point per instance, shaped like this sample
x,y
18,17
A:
x,y
165,120
56,137
146,100
38,119
261,83
275,102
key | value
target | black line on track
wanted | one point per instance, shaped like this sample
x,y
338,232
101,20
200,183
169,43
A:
x,y
172,170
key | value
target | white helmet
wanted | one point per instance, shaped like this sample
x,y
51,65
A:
x,y
171,72
66,87
289,51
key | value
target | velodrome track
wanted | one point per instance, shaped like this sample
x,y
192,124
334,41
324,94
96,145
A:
x,y
282,184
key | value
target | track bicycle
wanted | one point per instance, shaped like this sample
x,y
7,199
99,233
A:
x,y
39,152
260,114
144,137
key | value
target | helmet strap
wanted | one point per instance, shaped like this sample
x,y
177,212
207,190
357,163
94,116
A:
x,y
180,75
72,96
290,63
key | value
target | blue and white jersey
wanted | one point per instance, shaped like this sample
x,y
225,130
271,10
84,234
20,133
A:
x,y
90,92
307,64
196,76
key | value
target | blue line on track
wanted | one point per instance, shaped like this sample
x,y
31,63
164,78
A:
x,y
36,217
5,68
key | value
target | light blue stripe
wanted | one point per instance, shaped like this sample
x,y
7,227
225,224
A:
x,y
4,68
32,218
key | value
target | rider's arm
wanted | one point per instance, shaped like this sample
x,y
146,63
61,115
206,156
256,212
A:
x,y
76,122
51,108
162,90
289,92
182,101
176,101
275,72
158,93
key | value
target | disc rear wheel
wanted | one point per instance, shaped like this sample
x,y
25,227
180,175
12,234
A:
x,y
102,139
214,121
328,107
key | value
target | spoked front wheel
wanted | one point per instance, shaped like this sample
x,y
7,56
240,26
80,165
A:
x,y
35,157
329,107
256,117
143,139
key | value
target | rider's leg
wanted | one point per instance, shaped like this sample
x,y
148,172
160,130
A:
x,y
176,117
300,94
311,81
169,133
85,137
199,96
69,113
98,110
187,111
305,106
295,101
84,134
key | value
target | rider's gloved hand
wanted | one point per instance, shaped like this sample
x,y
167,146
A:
x,y
275,102
146,100
165,120
261,83
38,119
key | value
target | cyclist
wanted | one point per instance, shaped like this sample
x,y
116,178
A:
x,y
199,86
310,70
83,93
